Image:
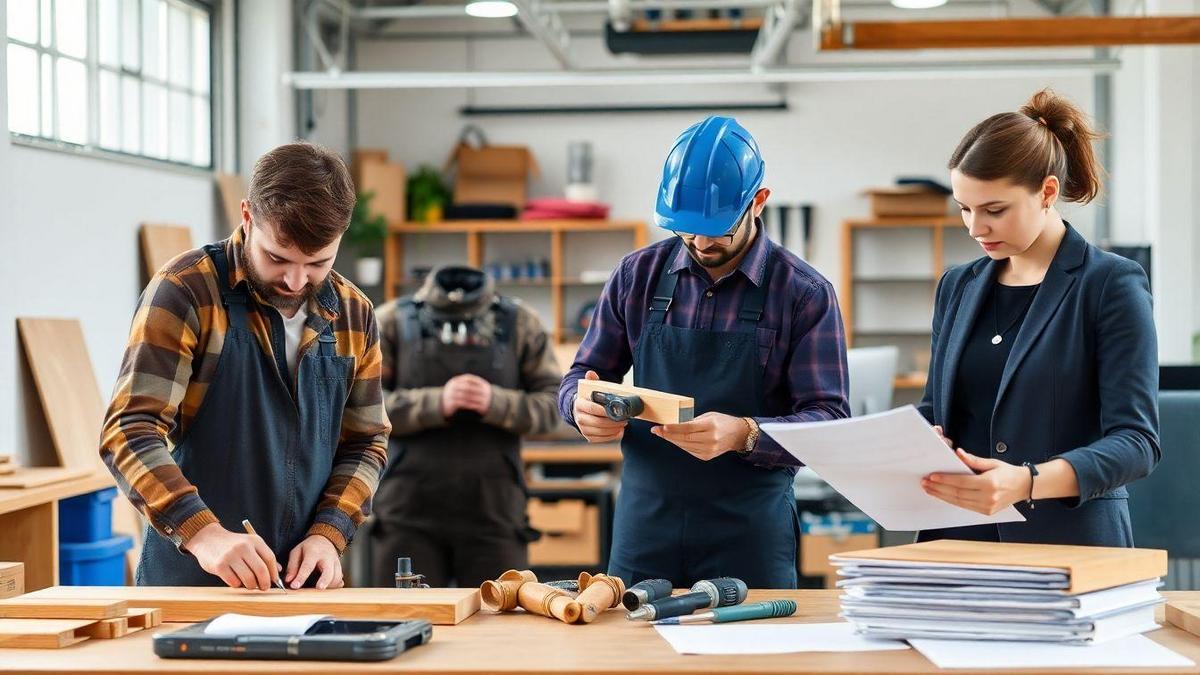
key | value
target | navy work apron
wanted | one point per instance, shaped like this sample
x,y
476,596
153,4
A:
x,y
684,519
253,451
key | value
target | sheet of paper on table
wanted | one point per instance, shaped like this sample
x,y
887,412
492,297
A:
x,y
232,625
770,638
1132,652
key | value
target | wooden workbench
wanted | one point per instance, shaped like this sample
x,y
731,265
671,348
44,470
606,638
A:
x,y
521,643
29,523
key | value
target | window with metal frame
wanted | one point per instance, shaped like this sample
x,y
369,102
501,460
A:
x,y
132,77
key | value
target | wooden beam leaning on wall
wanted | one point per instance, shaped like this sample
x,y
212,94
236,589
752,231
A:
x,y
1081,31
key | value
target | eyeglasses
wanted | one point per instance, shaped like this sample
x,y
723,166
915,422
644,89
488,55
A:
x,y
724,239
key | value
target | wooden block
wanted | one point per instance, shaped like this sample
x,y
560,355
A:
x,y
661,408
442,606
27,607
1184,614
67,388
42,633
1088,568
12,579
144,617
37,476
107,629
161,243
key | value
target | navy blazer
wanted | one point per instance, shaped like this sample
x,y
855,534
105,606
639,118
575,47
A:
x,y
1081,383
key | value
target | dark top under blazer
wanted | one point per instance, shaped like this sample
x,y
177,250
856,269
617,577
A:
x,y
1081,383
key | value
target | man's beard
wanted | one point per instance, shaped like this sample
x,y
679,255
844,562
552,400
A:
x,y
709,262
272,293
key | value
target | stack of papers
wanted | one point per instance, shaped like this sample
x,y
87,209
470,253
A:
x,y
969,595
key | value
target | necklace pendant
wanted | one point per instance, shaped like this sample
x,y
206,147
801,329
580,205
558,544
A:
x,y
996,339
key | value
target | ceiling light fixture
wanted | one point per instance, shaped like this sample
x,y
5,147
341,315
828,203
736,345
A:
x,y
494,9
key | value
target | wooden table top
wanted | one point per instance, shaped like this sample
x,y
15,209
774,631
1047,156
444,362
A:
x,y
523,643
15,499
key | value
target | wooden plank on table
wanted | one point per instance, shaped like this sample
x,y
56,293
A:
x,y
66,385
442,606
1088,568
160,243
28,607
37,476
1184,614
108,629
144,617
42,633
661,407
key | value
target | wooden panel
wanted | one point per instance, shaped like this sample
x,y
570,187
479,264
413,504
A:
x,y
37,476
31,607
577,453
445,606
31,537
232,189
1073,31
161,243
1090,568
42,633
67,388
519,642
660,407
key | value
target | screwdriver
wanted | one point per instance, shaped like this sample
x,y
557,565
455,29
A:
x,y
770,609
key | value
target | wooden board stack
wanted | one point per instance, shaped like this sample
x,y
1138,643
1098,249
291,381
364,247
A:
x,y
1001,591
44,624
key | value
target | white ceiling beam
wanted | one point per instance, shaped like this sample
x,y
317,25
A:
x,y
850,72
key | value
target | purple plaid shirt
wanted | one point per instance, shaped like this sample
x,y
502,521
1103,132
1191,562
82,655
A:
x,y
802,346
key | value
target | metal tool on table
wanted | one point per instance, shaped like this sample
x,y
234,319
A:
x,y
274,573
770,609
645,591
405,577
720,592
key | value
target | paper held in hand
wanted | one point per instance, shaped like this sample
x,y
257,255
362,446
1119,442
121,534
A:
x,y
877,462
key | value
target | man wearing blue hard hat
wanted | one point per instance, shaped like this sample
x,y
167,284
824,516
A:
x,y
720,313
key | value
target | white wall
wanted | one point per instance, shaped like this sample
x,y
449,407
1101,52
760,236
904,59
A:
x,y
837,139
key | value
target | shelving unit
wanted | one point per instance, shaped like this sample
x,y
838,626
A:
x,y
396,278
942,231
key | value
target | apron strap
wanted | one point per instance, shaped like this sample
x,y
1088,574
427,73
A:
x,y
234,299
327,341
505,313
664,291
756,297
408,321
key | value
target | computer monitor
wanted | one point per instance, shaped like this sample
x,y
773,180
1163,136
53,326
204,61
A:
x,y
872,378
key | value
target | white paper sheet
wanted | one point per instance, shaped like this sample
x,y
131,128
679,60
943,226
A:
x,y
776,638
877,462
232,625
1131,652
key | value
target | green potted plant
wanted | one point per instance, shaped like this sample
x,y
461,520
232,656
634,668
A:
x,y
427,195
366,235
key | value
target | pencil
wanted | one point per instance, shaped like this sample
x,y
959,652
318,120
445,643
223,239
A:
x,y
274,573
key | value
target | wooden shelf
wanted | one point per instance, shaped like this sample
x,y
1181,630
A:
x,y
571,453
518,226
906,221
475,230
911,381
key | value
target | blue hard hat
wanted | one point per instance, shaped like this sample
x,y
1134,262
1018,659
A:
x,y
710,177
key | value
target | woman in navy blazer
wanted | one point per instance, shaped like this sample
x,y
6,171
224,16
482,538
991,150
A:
x,y
1045,365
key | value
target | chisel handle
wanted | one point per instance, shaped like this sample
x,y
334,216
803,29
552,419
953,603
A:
x,y
771,609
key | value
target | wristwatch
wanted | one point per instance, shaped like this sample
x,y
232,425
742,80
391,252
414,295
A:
x,y
1033,473
751,437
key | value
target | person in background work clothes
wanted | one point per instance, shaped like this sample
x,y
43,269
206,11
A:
x,y
466,373
250,390
751,332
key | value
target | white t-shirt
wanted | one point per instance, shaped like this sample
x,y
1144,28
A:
x,y
293,330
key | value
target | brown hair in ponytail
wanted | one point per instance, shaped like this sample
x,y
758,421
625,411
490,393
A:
x,y
1049,136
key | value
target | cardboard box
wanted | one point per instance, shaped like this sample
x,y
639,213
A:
x,y
386,182
907,201
12,579
362,157
493,174
570,532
